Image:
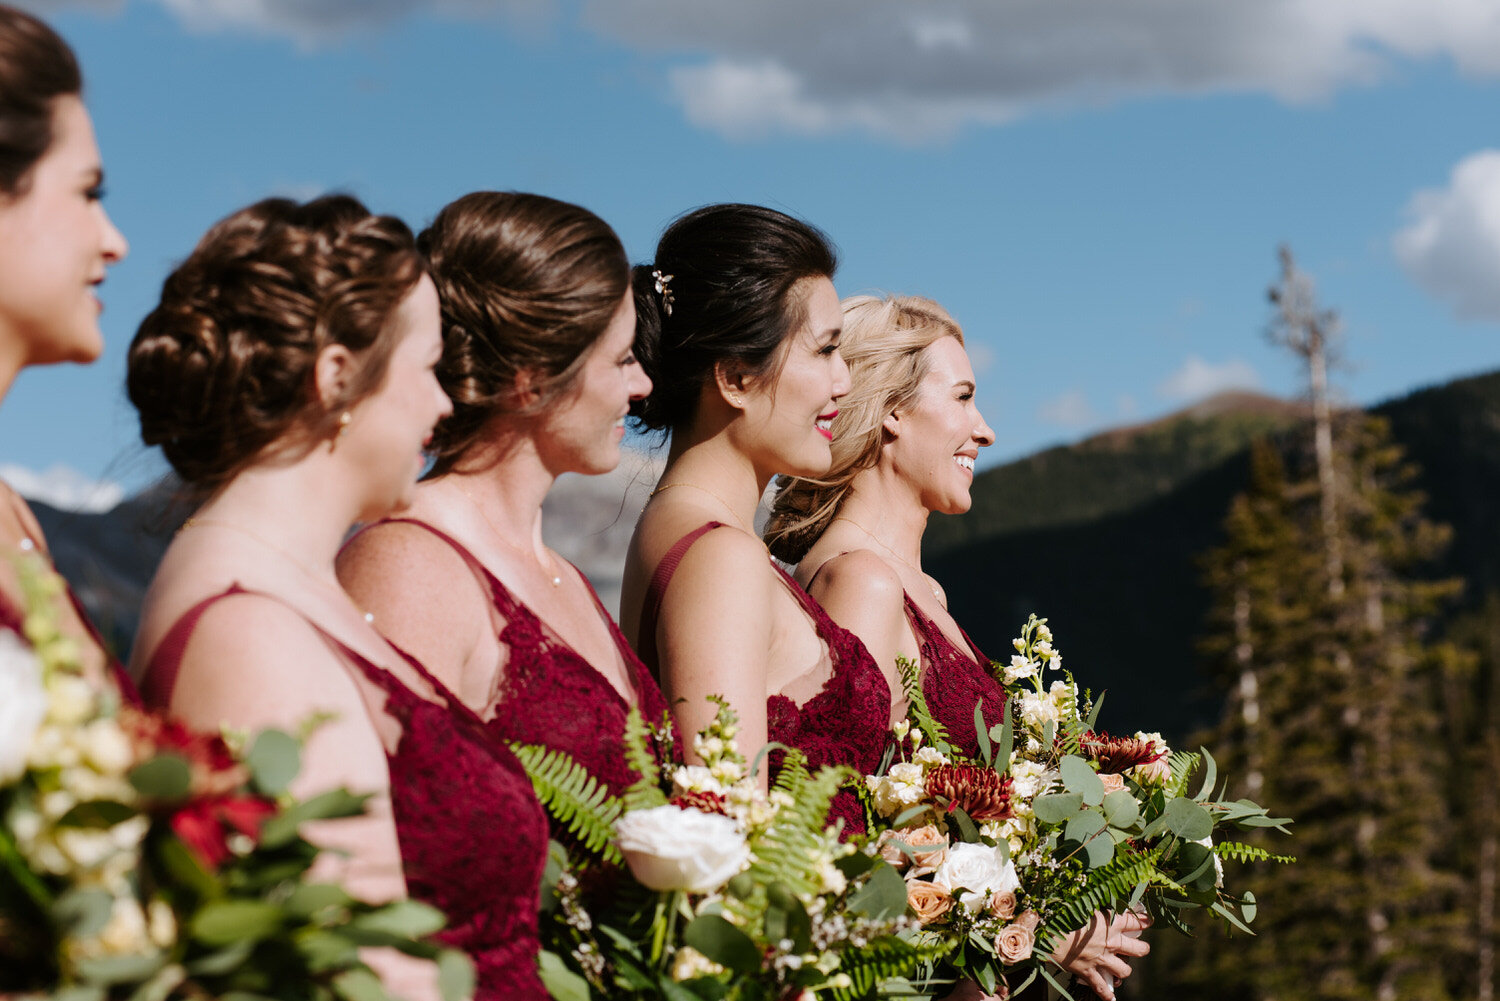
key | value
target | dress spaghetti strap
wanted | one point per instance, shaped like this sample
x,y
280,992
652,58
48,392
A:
x,y
656,590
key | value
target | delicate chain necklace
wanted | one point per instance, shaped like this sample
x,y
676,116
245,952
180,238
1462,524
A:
x,y
307,571
551,571
931,584
722,502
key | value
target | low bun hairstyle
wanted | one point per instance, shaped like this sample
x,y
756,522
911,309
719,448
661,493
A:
x,y
36,68
731,273
884,344
223,366
527,283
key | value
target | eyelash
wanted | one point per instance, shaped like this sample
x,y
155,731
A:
x,y
829,349
95,193
965,397
629,359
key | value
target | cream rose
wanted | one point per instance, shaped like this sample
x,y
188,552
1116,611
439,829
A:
x,y
670,848
976,872
1112,782
930,901
23,704
1003,905
1015,942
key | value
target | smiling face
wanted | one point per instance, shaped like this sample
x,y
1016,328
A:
x,y
789,416
936,440
582,430
57,242
389,429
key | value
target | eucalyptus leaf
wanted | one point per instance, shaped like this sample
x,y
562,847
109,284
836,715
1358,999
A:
x,y
909,814
1248,908
310,898
967,830
852,865
1084,825
1056,808
166,776
882,898
1120,808
274,759
1049,732
1005,743
119,969
1101,851
1187,819
78,992
1210,775
96,814
562,983
184,868
226,960
83,912
1231,917
161,986
1080,778
402,918
456,975
986,752
226,921
726,945
360,985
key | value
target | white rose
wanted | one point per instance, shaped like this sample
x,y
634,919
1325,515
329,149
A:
x,y
979,871
1208,843
23,704
669,848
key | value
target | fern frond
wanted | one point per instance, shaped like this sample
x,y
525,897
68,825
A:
x,y
575,799
917,711
1106,887
883,959
1183,764
645,792
1238,851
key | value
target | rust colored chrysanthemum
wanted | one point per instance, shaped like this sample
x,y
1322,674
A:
x,y
1117,755
703,802
982,793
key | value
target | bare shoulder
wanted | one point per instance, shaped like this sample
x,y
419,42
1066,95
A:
x,y
404,557
858,577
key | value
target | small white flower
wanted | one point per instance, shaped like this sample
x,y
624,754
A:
x,y
70,700
1019,644
1044,650
1043,633
688,963
930,757
694,778
901,729
23,704
1026,780
1208,843
1019,668
107,748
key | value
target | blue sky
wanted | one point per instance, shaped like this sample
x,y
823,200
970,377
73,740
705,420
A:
x,y
1096,189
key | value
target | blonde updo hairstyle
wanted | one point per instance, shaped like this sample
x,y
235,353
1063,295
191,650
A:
x,y
884,344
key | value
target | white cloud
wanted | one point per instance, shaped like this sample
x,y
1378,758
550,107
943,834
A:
x,y
1198,378
1070,410
315,21
1451,245
63,488
913,72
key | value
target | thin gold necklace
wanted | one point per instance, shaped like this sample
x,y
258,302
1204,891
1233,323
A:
x,y
294,561
722,502
550,571
931,584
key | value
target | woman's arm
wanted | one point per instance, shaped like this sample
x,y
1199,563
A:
x,y
252,664
863,594
714,635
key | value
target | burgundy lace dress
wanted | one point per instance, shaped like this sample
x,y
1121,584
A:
x,y
473,838
547,692
844,724
955,681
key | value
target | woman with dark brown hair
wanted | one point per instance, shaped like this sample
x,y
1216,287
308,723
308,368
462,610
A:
x,y
287,375
55,244
538,328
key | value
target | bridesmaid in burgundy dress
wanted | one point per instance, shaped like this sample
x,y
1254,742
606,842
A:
x,y
738,326
55,243
904,446
287,376
538,327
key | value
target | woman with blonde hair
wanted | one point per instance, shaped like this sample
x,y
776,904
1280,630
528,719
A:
x,y
904,446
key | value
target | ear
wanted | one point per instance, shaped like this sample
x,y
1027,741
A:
x,y
731,385
333,374
524,392
892,424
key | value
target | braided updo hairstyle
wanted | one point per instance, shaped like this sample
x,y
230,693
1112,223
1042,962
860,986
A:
x,y
527,283
223,366
728,274
36,68
884,345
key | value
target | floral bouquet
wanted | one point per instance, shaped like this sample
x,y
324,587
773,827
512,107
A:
x,y
1006,854
696,883
141,860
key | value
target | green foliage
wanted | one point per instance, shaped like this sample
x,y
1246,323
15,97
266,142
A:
x,y
911,683
1238,851
574,798
881,960
645,792
1105,889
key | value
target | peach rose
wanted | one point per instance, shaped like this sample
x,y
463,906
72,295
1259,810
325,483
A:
x,y
930,901
1112,783
928,848
1014,943
1029,920
1003,905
